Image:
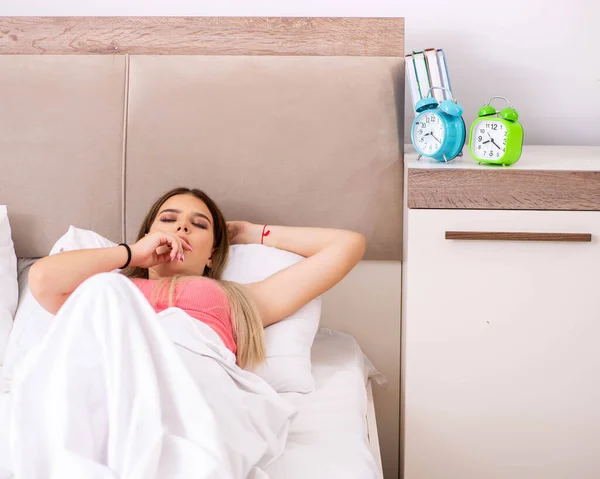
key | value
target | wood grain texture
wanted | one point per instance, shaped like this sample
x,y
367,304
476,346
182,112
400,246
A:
x,y
517,236
203,36
494,189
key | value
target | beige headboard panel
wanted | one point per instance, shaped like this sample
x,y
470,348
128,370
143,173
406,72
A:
x,y
280,140
61,146
291,121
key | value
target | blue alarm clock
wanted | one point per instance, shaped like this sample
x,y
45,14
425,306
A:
x,y
438,131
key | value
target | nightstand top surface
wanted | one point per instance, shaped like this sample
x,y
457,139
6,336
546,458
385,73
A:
x,y
534,157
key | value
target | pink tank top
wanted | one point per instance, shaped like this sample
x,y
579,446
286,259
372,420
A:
x,y
201,298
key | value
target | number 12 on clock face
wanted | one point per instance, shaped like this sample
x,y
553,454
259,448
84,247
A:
x,y
489,139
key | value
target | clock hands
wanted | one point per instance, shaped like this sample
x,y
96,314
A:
x,y
492,140
430,133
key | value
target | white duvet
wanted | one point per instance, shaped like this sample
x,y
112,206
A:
x,y
117,391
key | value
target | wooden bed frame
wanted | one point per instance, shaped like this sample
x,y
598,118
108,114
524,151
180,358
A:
x,y
372,427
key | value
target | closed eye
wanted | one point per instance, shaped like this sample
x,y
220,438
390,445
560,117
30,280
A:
x,y
172,220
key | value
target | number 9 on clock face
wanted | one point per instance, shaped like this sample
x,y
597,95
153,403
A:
x,y
429,133
489,140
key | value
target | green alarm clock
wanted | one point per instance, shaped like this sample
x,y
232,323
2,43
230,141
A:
x,y
496,136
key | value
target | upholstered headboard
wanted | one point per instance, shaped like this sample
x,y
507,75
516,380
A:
x,y
291,121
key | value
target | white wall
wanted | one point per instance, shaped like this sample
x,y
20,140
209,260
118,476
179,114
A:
x,y
542,55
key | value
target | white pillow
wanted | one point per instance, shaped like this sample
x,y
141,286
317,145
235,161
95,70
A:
x,y
289,342
30,325
9,289
77,238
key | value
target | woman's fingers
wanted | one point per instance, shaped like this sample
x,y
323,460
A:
x,y
163,258
178,246
185,243
170,247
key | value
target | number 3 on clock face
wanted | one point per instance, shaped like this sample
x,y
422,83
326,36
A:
x,y
489,140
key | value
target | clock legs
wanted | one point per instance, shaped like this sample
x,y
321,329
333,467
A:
x,y
445,157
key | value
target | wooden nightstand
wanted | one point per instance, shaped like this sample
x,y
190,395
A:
x,y
502,317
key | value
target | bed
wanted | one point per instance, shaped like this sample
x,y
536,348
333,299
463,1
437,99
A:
x,y
327,437
118,109
334,433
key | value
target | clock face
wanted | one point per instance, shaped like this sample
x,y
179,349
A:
x,y
489,139
429,133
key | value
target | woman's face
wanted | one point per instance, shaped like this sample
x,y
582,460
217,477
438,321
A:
x,y
187,217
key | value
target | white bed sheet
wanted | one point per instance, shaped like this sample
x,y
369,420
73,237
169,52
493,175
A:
x,y
328,437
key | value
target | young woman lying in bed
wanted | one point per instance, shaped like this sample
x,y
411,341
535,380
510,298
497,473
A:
x,y
178,259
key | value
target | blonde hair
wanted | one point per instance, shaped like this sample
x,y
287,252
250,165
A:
x,y
247,323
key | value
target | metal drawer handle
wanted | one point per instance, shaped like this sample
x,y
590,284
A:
x,y
517,236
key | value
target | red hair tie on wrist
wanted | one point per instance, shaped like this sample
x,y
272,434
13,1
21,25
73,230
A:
x,y
264,233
